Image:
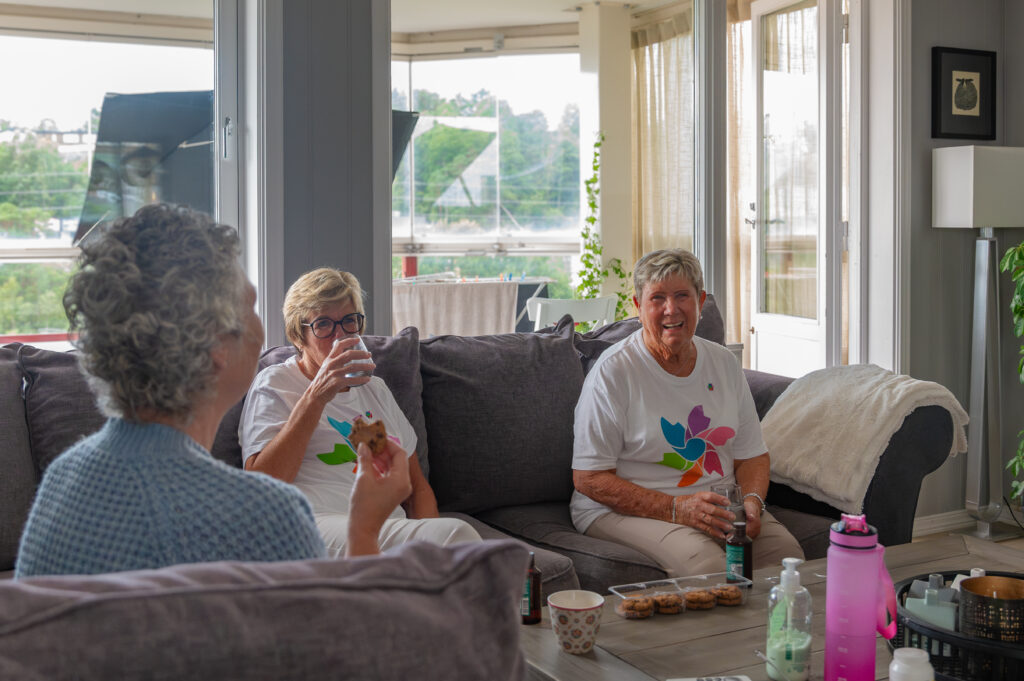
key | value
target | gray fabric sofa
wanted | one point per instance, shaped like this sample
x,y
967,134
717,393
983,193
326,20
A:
x,y
494,417
419,612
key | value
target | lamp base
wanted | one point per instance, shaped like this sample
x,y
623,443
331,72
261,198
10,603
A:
x,y
993,531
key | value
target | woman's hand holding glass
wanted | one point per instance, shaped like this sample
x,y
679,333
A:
x,y
707,512
343,359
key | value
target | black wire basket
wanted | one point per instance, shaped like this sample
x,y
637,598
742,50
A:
x,y
956,656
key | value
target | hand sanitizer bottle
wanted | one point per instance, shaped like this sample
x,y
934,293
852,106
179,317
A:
x,y
789,626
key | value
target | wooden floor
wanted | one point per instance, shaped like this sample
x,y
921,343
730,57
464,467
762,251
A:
x,y
1011,543
1015,543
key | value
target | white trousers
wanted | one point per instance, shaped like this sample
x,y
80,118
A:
x,y
441,531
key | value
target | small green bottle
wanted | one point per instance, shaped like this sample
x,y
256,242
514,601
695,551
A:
x,y
529,606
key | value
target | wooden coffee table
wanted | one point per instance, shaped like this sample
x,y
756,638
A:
x,y
721,642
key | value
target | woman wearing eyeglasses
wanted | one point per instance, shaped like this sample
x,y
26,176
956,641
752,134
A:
x,y
298,416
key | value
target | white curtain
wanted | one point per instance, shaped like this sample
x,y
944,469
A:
x,y
663,133
740,169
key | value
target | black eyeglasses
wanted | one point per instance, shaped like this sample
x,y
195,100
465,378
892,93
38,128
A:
x,y
323,327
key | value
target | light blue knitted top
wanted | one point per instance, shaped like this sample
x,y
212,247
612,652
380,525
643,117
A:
x,y
135,496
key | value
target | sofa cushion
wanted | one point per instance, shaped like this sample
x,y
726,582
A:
x,y
499,410
19,478
591,344
811,531
419,612
398,364
556,570
599,563
60,407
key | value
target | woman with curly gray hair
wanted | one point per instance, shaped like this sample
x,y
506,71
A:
x,y
169,342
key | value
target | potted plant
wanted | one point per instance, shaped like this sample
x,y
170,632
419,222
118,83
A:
x,y
1013,262
593,269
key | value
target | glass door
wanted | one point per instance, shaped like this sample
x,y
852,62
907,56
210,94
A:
x,y
790,245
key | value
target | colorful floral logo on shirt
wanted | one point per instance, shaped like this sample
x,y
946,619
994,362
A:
x,y
694,446
343,452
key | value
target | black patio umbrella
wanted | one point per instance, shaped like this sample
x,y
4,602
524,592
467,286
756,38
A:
x,y
158,146
155,146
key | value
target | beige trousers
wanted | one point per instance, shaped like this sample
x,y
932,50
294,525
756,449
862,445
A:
x,y
441,531
682,551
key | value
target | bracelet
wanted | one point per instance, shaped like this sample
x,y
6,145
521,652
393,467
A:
x,y
673,510
758,497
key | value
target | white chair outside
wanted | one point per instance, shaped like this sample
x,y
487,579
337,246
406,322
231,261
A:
x,y
546,311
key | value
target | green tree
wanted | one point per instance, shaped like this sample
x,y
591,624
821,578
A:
x,y
37,181
31,297
443,154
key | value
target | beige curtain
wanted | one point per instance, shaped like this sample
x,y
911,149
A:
x,y
740,173
663,133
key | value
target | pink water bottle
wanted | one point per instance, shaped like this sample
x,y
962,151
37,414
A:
x,y
858,594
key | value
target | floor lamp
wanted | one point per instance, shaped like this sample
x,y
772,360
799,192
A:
x,y
976,187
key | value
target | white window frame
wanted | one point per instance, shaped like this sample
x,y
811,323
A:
x,y
473,44
92,25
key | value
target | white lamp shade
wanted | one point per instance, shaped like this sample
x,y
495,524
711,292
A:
x,y
975,187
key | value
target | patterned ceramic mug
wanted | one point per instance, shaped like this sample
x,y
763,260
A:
x,y
575,619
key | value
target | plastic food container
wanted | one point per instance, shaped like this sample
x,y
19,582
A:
x,y
643,599
673,596
703,592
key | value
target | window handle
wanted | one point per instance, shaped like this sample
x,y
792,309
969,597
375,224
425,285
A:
x,y
227,138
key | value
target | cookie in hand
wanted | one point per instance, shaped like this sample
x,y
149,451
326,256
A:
x,y
373,435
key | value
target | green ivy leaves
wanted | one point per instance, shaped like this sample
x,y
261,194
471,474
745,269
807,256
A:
x,y
594,270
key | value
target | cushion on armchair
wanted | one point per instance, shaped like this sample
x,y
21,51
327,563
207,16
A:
x,y
418,612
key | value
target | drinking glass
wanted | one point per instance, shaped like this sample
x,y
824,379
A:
x,y
734,493
359,346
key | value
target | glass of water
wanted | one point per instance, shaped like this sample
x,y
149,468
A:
x,y
358,346
734,493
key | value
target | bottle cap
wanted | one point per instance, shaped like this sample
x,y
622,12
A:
x,y
853,531
789,576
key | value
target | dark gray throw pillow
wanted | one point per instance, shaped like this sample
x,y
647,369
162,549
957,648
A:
x,y
60,409
19,477
500,414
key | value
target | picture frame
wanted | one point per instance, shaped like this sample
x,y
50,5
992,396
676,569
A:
x,y
963,93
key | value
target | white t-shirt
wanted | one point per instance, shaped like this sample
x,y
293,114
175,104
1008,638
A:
x,y
677,435
329,463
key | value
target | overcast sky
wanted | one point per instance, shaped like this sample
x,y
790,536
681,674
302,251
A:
x,y
64,79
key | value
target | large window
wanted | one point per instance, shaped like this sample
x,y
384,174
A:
x,y
490,183
48,128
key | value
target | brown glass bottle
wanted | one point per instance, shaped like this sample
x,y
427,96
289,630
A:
x,y
739,554
529,607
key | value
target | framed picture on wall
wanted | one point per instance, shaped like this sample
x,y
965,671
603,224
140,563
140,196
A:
x,y
963,93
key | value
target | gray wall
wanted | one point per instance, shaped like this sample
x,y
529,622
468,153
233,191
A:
x,y
337,149
942,259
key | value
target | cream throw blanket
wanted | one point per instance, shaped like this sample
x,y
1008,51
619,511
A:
x,y
827,431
